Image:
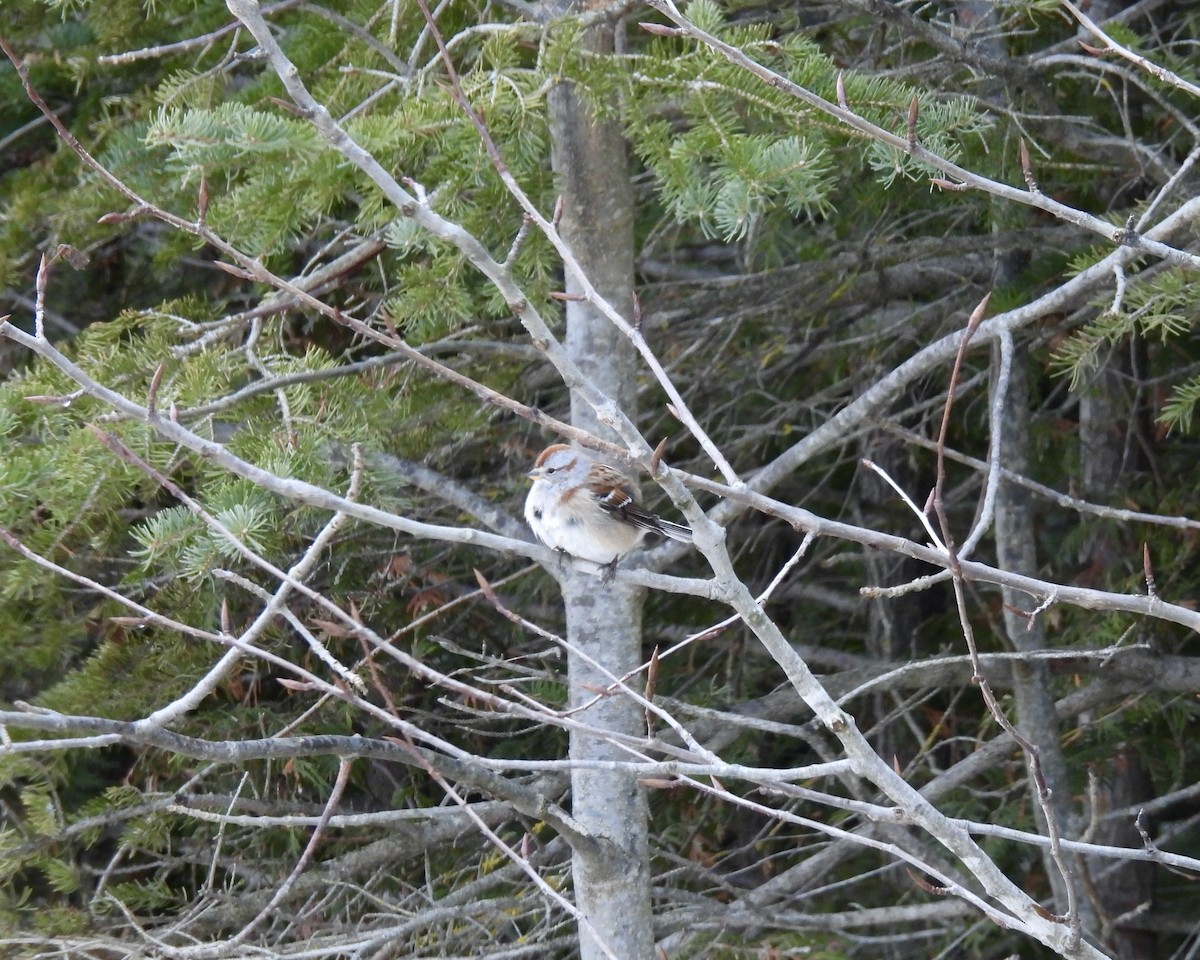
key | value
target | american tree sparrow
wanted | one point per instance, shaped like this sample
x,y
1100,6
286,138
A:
x,y
589,509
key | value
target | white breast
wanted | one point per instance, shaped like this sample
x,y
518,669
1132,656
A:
x,y
579,527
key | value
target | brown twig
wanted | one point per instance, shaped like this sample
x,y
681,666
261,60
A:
x,y
1027,168
1029,748
310,851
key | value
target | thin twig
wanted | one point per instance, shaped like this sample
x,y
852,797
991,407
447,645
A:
x,y
1154,69
310,850
1033,754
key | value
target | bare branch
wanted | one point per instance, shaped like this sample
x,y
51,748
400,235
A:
x,y
1159,72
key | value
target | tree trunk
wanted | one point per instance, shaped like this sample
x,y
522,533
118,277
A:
x,y
1124,890
1032,690
1016,550
612,882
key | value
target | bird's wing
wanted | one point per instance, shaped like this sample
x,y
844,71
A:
x,y
616,495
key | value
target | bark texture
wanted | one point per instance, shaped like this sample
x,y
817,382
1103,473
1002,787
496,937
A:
x,y
612,881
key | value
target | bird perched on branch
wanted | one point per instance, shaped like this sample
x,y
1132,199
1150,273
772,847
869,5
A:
x,y
589,509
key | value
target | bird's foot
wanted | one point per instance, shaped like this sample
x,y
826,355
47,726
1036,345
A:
x,y
608,571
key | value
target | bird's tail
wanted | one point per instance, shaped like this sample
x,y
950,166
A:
x,y
642,518
675,531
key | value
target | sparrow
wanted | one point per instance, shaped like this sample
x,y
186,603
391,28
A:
x,y
589,509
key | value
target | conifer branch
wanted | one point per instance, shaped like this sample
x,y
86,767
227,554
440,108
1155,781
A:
x,y
959,174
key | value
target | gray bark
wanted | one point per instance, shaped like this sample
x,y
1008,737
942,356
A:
x,y
1032,690
612,879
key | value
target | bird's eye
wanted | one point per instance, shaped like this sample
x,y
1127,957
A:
x,y
552,469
